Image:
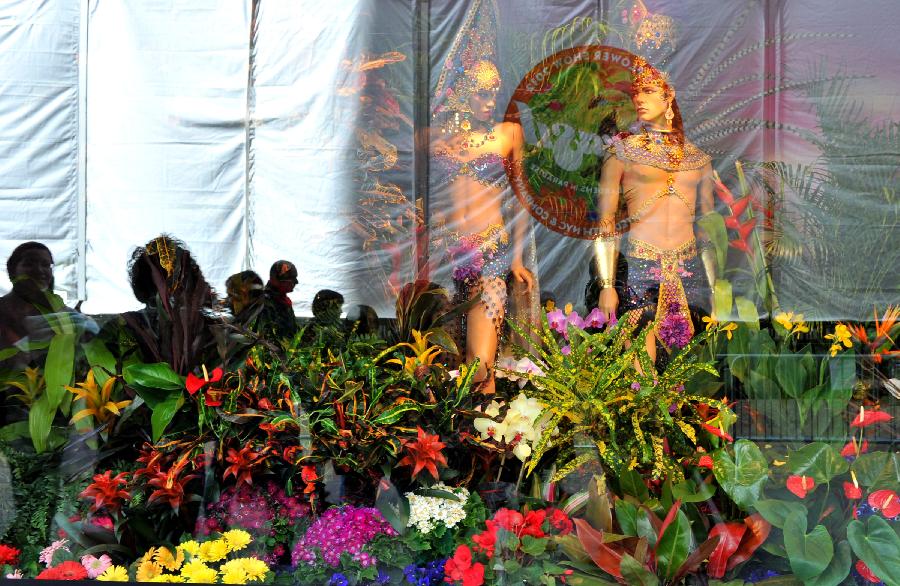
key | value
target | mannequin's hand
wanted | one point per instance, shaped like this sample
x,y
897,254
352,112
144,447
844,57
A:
x,y
522,275
608,302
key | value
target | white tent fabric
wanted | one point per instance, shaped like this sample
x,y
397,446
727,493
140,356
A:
x,y
238,132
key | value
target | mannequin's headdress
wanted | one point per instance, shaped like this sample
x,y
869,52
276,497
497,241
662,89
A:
x,y
470,66
643,74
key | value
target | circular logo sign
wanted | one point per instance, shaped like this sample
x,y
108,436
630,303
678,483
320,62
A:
x,y
568,105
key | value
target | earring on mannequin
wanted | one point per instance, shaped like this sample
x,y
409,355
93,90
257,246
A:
x,y
670,115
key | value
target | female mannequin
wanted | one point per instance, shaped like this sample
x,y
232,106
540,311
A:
x,y
470,157
664,177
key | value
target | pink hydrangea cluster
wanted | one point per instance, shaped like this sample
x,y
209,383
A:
x,y
345,529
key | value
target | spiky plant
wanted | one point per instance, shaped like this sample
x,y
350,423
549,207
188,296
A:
x,y
601,390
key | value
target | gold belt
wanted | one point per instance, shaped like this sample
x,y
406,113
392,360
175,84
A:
x,y
672,298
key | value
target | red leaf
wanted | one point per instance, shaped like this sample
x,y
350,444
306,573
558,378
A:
x,y
668,520
730,535
606,558
757,532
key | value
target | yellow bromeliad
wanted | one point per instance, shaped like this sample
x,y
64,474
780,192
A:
x,y
32,386
98,400
425,353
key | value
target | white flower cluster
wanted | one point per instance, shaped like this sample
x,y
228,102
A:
x,y
522,424
426,512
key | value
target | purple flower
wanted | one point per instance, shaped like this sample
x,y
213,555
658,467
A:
x,y
595,319
575,320
557,320
635,386
341,530
467,260
675,331
566,350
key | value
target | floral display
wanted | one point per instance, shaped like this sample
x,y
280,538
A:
x,y
339,531
428,512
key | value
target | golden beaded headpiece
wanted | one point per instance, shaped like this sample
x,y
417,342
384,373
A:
x,y
470,66
643,74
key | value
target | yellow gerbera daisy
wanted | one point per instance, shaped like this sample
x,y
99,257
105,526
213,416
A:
x,y
256,569
147,570
213,551
236,539
170,562
114,574
191,547
198,572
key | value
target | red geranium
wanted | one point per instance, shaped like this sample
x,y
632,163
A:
x,y
560,521
460,568
9,556
106,491
486,541
69,570
800,485
521,525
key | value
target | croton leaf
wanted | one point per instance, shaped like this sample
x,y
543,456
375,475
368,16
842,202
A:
x,y
730,535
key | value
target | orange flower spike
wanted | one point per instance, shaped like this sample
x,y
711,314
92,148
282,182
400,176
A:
x,y
884,326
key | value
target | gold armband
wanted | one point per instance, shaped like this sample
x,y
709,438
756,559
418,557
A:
x,y
708,258
606,249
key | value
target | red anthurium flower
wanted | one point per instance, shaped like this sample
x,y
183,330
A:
x,y
849,450
800,485
885,501
106,491
867,417
195,383
866,573
717,432
852,491
424,453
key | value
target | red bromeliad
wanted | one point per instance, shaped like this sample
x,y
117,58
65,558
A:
x,y
170,484
424,453
106,492
242,464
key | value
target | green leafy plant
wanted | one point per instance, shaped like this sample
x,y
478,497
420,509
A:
x,y
602,388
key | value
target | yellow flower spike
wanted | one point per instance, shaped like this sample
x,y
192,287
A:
x,y
567,309
550,305
853,477
779,462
